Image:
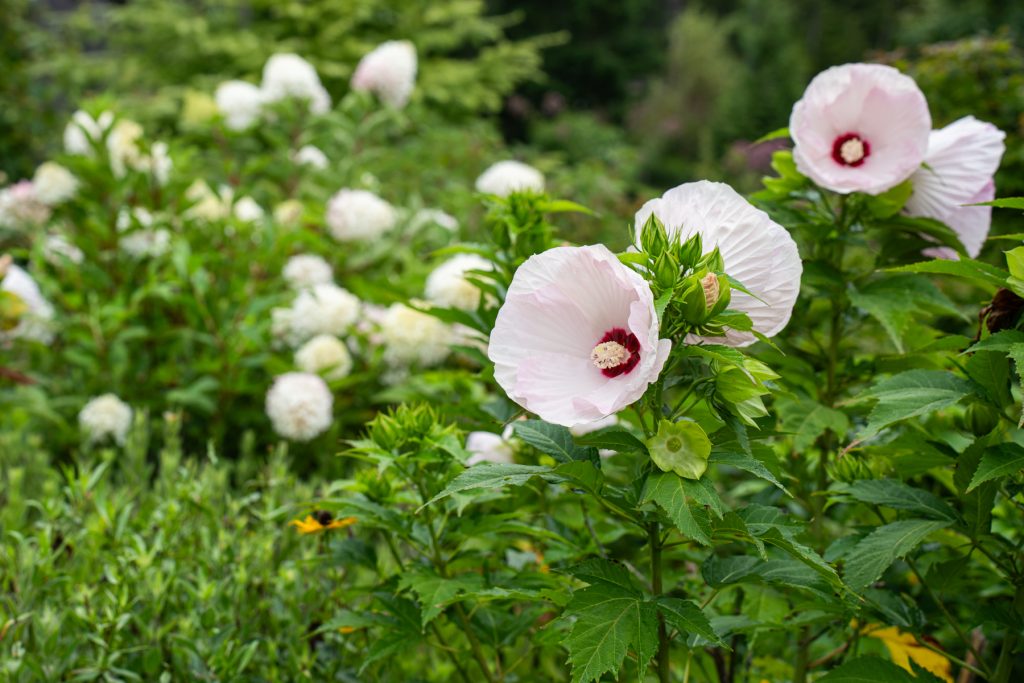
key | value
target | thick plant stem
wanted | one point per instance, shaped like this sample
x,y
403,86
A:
x,y
664,666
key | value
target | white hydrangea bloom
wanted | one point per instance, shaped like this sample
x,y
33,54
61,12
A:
x,y
106,416
310,155
83,129
322,309
54,184
358,215
299,406
240,103
57,249
159,163
36,323
389,71
207,204
146,243
21,208
288,75
434,216
414,338
248,211
325,354
307,270
289,213
506,177
123,147
447,286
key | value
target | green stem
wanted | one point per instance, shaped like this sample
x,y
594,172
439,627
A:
x,y
654,538
1004,667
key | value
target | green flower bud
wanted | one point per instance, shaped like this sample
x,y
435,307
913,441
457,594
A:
x,y
980,419
680,447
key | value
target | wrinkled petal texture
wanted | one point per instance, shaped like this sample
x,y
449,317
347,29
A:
x,y
756,250
878,103
962,159
560,304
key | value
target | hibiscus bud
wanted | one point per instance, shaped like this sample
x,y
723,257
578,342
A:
x,y
710,284
666,271
653,237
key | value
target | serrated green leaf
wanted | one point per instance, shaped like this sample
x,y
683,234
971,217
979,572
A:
x,y
687,618
806,420
980,273
867,670
875,552
615,439
609,621
911,394
553,440
437,592
1003,460
898,300
671,492
490,476
748,463
899,496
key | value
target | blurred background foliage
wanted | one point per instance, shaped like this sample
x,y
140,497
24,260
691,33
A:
x,y
632,94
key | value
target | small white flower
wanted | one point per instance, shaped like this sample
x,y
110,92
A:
x,y
248,211
490,447
288,75
57,249
322,309
240,103
146,243
207,204
35,324
506,177
307,270
436,217
21,208
358,215
54,184
389,71
83,130
299,406
158,163
106,416
123,147
414,338
136,216
311,156
289,213
447,286
324,354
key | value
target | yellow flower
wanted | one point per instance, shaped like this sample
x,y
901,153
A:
x,y
320,521
345,630
904,647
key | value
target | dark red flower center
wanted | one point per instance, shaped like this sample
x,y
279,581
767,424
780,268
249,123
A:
x,y
850,149
617,352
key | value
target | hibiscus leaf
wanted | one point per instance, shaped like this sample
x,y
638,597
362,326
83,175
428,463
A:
x,y
615,439
437,592
806,420
911,394
672,494
490,476
686,617
998,461
553,440
899,496
897,301
868,670
748,462
983,274
609,621
873,554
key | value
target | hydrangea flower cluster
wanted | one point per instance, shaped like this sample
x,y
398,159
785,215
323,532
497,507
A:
x,y
106,416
